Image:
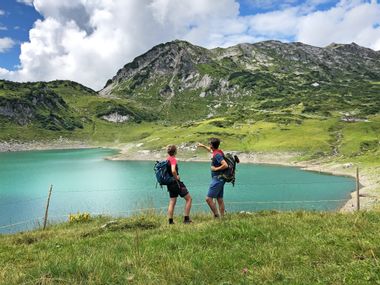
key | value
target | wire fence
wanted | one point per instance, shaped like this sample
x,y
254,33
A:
x,y
254,205
133,187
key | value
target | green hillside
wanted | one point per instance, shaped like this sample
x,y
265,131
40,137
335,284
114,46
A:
x,y
268,96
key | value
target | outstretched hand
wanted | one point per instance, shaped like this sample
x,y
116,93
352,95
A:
x,y
204,146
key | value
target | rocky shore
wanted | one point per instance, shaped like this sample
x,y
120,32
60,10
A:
x,y
14,145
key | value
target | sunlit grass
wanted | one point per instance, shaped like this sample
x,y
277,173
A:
x,y
260,248
311,137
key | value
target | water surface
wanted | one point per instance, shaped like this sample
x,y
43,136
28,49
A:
x,y
84,181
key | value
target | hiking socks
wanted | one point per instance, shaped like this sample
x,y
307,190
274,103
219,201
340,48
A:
x,y
186,219
171,222
216,216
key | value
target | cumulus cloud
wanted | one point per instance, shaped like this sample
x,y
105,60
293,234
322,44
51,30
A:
x,y
6,44
276,24
89,40
344,23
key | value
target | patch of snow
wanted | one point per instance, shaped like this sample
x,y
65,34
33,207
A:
x,y
116,118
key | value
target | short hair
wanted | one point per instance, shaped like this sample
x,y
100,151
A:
x,y
172,149
215,142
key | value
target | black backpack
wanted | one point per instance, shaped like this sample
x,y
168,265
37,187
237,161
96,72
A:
x,y
162,174
229,174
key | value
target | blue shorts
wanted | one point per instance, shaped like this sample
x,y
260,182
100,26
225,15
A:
x,y
216,189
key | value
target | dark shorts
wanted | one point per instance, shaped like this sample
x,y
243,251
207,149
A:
x,y
216,189
176,189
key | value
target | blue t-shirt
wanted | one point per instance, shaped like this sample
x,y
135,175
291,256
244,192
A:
x,y
217,157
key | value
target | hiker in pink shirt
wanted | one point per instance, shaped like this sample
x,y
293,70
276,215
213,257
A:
x,y
177,187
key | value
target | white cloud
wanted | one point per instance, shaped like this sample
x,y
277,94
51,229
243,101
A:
x,y
275,24
3,28
88,41
6,44
2,12
344,23
26,2
4,73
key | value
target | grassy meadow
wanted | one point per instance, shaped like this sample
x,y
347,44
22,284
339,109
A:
x,y
258,248
75,112
311,137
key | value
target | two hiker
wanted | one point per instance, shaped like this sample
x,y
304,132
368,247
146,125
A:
x,y
216,188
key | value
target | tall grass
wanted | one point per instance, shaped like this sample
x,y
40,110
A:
x,y
260,248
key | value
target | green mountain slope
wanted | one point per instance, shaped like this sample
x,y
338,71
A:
x,y
43,110
181,81
267,96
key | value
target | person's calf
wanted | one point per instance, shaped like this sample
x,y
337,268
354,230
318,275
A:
x,y
212,205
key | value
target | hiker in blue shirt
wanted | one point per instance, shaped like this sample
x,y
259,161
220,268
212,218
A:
x,y
216,188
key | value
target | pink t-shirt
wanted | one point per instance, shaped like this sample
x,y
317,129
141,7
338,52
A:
x,y
172,160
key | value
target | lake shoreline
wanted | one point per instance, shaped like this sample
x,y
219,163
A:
x,y
368,181
57,144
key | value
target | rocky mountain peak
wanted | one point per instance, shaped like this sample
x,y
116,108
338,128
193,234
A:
x,y
172,57
178,74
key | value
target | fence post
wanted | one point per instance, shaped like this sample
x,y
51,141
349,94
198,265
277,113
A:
x,y
357,190
47,206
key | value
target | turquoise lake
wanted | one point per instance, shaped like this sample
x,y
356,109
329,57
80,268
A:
x,y
84,181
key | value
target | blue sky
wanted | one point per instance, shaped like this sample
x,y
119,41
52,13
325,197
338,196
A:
x,y
249,7
88,41
15,23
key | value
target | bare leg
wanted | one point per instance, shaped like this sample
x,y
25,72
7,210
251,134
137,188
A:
x,y
212,205
172,203
221,206
188,200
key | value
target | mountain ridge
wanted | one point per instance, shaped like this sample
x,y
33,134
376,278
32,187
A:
x,y
177,83
261,73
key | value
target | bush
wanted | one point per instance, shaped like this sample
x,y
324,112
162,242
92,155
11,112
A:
x,y
369,145
79,217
